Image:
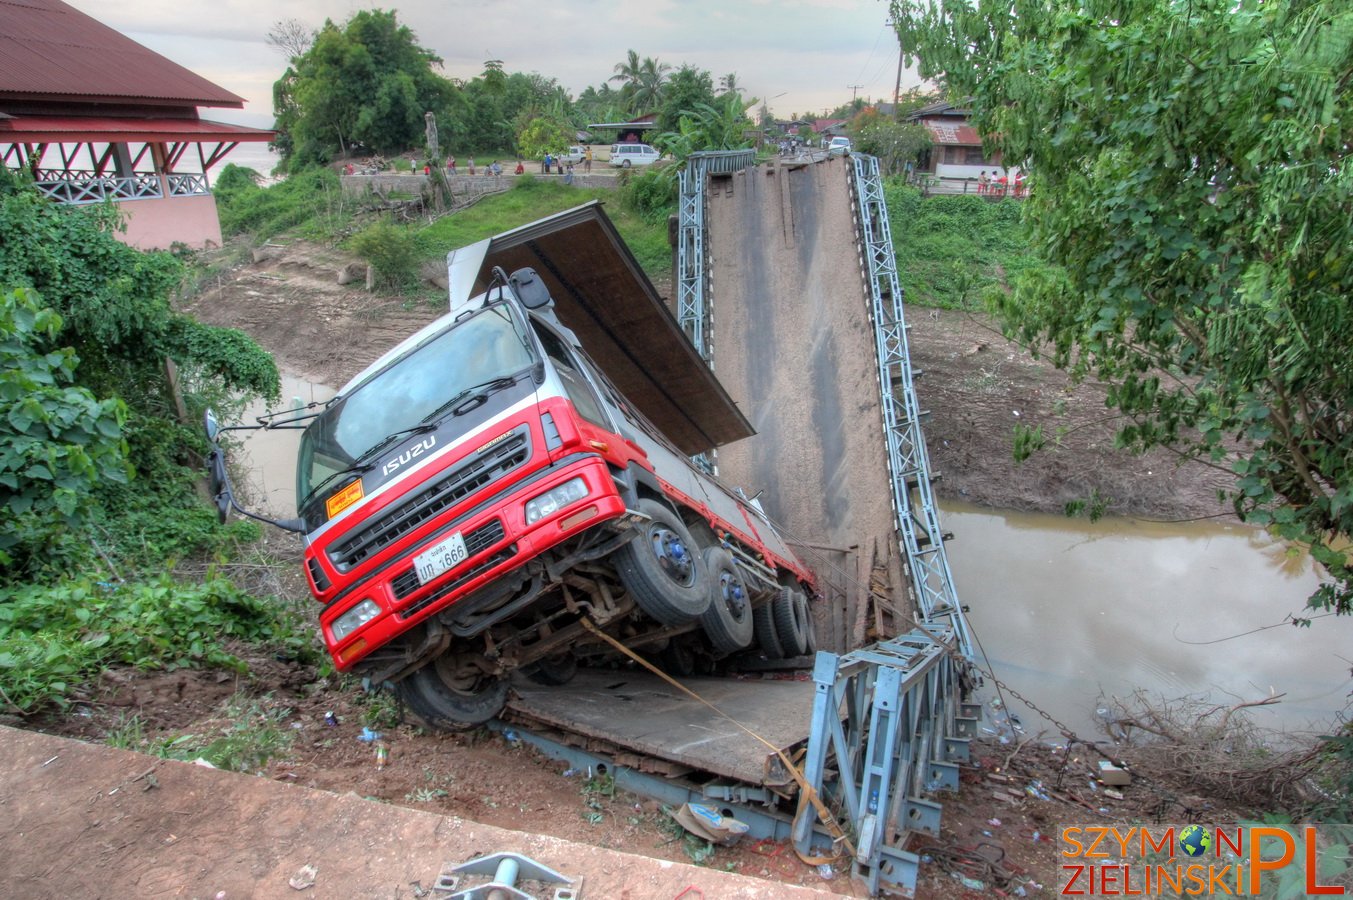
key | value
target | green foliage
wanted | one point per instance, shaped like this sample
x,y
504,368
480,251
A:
x,y
719,125
543,135
643,82
534,198
57,441
1335,777
894,143
251,736
392,252
1190,172
652,194
311,198
52,637
364,85
688,89
954,250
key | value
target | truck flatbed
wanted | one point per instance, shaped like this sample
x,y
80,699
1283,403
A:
x,y
641,712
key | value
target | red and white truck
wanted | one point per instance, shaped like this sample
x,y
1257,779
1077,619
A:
x,y
484,487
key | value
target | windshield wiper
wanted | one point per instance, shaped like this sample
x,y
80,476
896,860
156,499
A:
x,y
362,464
477,392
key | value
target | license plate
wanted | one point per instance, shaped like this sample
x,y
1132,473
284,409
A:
x,y
442,556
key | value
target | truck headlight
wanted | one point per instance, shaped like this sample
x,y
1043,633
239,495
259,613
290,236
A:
x,y
553,500
354,618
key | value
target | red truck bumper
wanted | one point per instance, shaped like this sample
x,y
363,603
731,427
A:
x,y
498,540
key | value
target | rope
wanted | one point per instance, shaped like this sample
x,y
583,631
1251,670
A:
x,y
808,796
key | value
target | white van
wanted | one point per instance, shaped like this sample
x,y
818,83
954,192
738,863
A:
x,y
574,155
838,145
625,155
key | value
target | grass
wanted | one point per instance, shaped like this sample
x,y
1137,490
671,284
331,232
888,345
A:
x,y
248,735
952,250
535,198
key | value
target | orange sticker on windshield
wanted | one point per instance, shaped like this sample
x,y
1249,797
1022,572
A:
x,y
344,498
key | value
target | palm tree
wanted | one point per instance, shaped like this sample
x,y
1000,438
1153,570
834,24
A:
x,y
728,84
627,71
647,93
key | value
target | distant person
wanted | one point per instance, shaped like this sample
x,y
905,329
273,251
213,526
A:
x,y
983,182
1000,184
587,159
450,165
568,176
469,165
1019,184
549,164
348,169
520,170
497,169
427,168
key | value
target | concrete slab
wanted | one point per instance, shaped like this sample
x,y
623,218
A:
x,y
85,820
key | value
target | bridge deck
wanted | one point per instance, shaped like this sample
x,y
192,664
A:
x,y
641,712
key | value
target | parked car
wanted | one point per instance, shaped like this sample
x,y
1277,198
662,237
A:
x,y
838,145
574,154
624,156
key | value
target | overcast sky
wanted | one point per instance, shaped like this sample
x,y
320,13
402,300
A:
x,y
800,56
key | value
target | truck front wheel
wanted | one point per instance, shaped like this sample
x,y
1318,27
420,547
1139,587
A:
x,y
452,694
662,568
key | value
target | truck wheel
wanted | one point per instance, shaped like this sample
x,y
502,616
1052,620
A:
x,y
554,671
661,569
764,627
789,609
728,621
809,626
453,698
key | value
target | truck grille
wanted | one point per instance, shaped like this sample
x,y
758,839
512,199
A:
x,y
317,574
436,497
477,541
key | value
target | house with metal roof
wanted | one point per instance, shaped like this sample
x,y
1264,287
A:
x,y
94,116
956,147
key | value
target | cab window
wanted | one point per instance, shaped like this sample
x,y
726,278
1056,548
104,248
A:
x,y
570,373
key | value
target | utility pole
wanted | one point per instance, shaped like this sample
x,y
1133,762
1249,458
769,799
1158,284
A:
x,y
854,89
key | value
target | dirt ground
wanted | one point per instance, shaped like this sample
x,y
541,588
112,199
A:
x,y
975,386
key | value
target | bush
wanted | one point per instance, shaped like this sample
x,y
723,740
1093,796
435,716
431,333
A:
x,y
54,637
311,197
392,252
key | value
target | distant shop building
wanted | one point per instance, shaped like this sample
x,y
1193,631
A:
x,y
956,148
94,116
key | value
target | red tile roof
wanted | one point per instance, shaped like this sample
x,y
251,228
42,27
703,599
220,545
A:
x,y
52,51
72,129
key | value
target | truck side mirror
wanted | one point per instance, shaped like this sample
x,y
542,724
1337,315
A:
x,y
530,290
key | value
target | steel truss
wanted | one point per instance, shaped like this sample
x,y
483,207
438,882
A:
x,y
891,719
908,464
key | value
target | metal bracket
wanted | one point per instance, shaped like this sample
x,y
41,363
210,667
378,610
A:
x,y
504,869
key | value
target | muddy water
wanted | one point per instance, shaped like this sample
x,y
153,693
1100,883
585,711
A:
x,y
265,462
1068,610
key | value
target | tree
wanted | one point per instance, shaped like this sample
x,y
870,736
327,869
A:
x,y
290,38
894,143
688,89
1189,171
642,82
368,83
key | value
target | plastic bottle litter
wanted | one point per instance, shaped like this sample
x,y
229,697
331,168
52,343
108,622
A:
x,y
1038,836
826,872
511,736
972,884
382,756
368,736
330,719
994,823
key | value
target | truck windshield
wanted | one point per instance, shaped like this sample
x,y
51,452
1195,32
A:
x,y
411,391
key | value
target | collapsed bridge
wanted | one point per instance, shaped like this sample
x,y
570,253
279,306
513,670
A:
x,y
786,285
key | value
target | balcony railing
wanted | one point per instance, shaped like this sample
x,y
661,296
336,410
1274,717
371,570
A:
x,y
78,186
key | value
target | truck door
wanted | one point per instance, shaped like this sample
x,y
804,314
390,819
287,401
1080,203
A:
x,y
593,421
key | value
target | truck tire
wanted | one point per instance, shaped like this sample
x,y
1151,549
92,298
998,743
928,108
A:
x,y
728,621
789,609
764,628
450,702
809,626
661,569
554,671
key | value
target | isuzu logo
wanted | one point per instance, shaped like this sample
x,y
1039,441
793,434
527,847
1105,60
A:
x,y
409,455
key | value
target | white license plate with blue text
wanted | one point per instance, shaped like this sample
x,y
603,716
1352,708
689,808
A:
x,y
442,556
